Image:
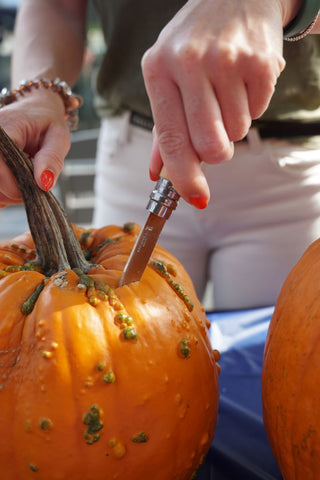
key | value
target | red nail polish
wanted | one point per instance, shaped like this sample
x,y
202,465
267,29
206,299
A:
x,y
47,180
198,201
153,177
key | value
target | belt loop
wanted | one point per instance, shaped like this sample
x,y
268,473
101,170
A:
x,y
254,140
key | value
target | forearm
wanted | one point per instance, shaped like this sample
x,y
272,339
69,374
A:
x,y
51,42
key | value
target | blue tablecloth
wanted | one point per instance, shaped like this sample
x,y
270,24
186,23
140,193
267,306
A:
x,y
240,450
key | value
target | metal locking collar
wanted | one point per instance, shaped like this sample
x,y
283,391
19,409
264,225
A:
x,y
163,199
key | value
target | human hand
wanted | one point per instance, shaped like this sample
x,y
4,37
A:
x,y
36,123
212,70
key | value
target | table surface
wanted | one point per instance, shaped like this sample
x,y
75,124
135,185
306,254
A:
x,y
240,450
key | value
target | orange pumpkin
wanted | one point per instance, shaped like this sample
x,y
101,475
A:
x,y
100,382
291,372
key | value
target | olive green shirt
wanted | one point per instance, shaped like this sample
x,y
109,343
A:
x,y
297,93
131,27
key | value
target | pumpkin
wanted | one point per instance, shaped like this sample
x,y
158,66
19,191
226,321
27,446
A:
x,y
291,372
97,381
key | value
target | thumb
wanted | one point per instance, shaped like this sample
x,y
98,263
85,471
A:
x,y
48,161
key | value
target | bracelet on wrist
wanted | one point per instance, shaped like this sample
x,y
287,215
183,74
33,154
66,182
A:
x,y
71,101
303,22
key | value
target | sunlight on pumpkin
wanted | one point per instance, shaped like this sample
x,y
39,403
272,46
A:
x,y
119,378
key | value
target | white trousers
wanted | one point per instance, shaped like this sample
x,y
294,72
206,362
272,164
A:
x,y
264,212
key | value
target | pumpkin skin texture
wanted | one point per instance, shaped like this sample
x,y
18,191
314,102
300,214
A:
x,y
291,372
100,382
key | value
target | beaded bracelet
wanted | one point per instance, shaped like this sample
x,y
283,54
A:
x,y
71,101
303,22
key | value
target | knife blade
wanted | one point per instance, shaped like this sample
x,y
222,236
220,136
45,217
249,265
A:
x,y
163,200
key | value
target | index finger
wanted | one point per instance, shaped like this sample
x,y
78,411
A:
x,y
173,142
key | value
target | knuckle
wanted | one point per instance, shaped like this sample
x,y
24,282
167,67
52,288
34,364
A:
x,y
55,159
146,61
259,103
171,143
160,58
211,149
65,135
266,68
188,56
238,130
152,63
62,133
225,58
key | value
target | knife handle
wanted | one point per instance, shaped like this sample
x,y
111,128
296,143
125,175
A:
x,y
163,198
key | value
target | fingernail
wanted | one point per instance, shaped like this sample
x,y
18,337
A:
x,y
198,201
47,180
153,177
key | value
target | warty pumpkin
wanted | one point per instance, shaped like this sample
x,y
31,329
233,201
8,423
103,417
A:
x,y
291,372
98,382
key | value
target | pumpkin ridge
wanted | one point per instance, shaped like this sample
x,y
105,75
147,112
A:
x,y
291,399
129,370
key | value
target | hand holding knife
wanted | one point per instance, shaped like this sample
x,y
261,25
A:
x,y
163,200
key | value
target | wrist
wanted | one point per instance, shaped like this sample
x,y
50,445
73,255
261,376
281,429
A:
x,y
301,19
71,102
290,9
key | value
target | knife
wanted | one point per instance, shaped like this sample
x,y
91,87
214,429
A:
x,y
163,200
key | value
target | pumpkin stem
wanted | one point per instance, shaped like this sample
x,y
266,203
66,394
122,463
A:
x,y
56,244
